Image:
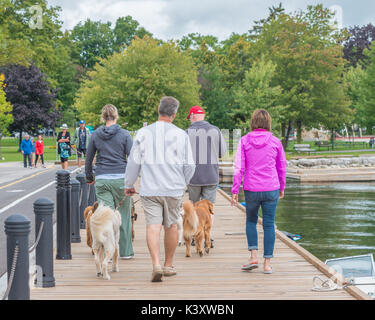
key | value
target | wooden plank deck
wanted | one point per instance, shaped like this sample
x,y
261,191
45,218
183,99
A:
x,y
214,276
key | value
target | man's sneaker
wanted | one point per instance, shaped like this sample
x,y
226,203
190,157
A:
x,y
169,271
157,273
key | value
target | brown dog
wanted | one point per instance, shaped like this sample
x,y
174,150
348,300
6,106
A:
x,y
89,211
197,225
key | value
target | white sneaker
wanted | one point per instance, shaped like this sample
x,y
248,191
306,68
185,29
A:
x,y
127,257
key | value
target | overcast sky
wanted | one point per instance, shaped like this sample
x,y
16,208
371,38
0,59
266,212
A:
x,y
171,19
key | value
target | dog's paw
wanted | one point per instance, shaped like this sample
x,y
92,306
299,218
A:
x,y
115,269
99,274
188,256
201,253
107,277
207,250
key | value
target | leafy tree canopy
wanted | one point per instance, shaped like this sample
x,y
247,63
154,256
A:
x,y
136,79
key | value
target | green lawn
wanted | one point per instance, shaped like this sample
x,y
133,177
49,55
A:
x,y
338,146
9,150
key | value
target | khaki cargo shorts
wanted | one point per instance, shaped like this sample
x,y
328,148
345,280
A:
x,y
161,210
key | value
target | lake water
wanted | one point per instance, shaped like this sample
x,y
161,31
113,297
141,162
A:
x,y
335,219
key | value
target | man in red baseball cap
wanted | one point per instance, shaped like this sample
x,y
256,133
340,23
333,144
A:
x,y
194,111
208,139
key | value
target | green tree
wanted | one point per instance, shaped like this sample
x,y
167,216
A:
x,y
12,50
366,91
257,92
93,40
135,80
125,30
306,51
216,99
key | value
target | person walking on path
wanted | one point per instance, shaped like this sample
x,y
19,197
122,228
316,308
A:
x,y
208,139
64,148
39,146
81,140
162,155
32,150
26,149
112,145
261,162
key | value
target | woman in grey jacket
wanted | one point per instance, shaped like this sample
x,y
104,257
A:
x,y
112,145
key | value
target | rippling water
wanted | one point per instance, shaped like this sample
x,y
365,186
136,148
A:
x,y
335,219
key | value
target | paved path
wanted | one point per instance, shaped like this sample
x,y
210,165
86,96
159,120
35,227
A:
x,y
213,276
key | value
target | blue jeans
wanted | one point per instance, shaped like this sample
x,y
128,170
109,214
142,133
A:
x,y
268,201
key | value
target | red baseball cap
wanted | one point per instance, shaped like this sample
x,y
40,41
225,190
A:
x,y
195,110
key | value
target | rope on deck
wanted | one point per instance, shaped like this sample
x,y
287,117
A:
x,y
323,285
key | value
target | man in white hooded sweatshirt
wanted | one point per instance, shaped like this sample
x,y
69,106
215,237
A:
x,y
162,154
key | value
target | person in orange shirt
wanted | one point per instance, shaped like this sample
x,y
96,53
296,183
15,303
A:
x,y
39,145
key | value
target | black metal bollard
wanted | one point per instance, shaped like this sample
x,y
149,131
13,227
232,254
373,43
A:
x,y
83,204
63,218
17,229
74,207
43,209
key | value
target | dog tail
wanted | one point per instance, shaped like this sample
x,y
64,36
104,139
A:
x,y
190,216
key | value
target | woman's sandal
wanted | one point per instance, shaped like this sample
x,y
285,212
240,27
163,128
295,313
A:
x,y
268,272
249,266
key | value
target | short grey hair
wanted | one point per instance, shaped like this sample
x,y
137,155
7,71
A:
x,y
168,106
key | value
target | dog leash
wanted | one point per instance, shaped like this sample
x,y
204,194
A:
x,y
123,199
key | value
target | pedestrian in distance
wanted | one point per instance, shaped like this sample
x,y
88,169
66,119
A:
x,y
26,149
162,155
372,142
111,144
81,140
39,151
206,138
33,149
261,163
63,146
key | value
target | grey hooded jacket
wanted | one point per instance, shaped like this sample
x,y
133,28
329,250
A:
x,y
112,146
208,145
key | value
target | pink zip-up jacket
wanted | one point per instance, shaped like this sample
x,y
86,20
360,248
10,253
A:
x,y
261,161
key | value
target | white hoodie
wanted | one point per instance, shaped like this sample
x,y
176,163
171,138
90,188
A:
x,y
162,155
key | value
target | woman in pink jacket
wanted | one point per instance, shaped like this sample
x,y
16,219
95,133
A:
x,y
260,161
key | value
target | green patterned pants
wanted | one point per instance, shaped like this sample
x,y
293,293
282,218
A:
x,y
110,193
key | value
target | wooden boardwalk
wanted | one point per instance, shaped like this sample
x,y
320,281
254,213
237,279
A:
x,y
214,276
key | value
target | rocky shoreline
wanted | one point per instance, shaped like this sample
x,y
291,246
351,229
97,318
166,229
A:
x,y
328,163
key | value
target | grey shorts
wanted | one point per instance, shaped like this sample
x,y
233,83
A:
x,y
161,210
198,193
